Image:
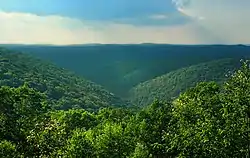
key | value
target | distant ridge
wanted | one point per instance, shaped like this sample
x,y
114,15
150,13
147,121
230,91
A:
x,y
119,67
125,44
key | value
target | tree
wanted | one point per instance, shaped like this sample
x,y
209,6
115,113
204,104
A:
x,y
79,145
110,141
7,149
20,108
212,120
156,121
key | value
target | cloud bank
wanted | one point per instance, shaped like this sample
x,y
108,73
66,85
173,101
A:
x,y
209,22
226,19
32,29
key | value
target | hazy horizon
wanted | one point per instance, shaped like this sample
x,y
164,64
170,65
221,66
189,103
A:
x,y
62,22
122,44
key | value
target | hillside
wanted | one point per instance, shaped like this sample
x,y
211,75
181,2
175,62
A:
x,y
172,84
118,68
63,88
207,120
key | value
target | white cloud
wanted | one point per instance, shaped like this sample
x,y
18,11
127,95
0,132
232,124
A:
x,y
28,28
227,19
158,17
214,21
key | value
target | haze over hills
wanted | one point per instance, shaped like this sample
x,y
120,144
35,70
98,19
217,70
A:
x,y
89,121
124,79
139,73
119,68
64,89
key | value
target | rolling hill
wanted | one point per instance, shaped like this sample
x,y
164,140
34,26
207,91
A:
x,y
197,121
64,89
172,84
118,68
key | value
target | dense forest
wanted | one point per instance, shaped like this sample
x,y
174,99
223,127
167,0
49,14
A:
x,y
63,88
118,68
173,83
48,111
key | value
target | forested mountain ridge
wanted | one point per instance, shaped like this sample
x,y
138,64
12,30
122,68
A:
x,y
63,88
120,67
208,120
128,70
175,82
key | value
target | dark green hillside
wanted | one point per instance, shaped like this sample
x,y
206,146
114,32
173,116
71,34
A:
x,y
171,84
120,67
64,88
208,120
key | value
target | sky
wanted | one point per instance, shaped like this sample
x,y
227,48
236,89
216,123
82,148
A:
x,y
64,22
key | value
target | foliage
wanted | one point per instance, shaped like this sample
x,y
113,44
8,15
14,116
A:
x,y
208,120
64,89
172,84
212,120
120,67
79,145
7,149
20,107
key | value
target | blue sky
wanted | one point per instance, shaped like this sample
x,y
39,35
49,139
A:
x,y
102,10
124,21
91,9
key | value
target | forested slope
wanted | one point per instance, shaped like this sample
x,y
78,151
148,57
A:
x,y
63,88
120,67
172,84
208,120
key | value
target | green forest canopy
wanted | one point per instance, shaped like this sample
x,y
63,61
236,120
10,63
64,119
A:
x,y
173,83
63,88
50,112
118,68
208,120
66,90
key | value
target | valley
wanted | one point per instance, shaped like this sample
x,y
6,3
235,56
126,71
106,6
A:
x,y
119,68
124,101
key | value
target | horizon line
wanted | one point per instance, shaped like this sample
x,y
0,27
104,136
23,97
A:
x,y
99,44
